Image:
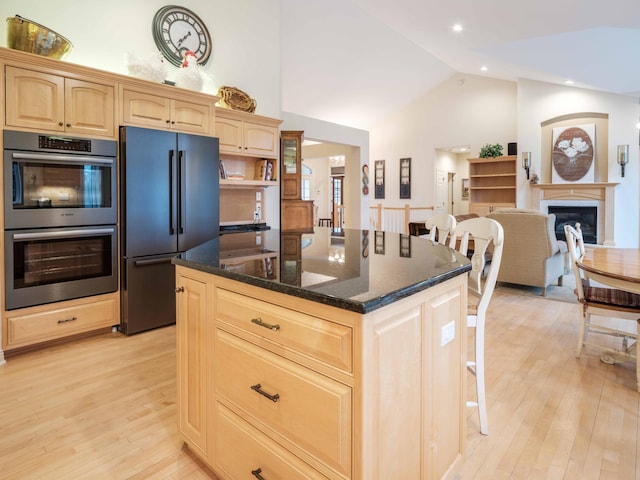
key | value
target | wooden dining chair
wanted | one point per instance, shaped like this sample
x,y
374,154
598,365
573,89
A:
x,y
440,227
603,302
482,281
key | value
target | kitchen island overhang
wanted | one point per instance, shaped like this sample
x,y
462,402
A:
x,y
403,265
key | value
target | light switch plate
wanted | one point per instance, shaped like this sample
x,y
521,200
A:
x,y
448,333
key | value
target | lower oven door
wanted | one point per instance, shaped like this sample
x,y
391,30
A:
x,y
55,264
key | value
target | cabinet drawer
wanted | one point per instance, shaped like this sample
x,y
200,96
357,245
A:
x,y
310,410
241,449
328,342
27,329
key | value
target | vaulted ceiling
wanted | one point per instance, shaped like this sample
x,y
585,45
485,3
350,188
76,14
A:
x,y
354,62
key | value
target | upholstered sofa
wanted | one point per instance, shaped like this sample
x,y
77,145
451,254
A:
x,y
531,254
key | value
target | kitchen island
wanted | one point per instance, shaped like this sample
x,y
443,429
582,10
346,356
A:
x,y
338,354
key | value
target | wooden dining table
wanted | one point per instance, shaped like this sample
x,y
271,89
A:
x,y
614,267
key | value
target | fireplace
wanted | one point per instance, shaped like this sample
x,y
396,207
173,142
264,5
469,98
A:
x,y
587,217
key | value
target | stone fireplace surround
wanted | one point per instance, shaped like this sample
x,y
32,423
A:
x,y
600,195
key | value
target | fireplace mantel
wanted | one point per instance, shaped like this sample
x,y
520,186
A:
x,y
603,193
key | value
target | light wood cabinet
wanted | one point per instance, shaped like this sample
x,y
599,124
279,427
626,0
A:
x,y
46,101
243,133
193,353
141,108
249,149
29,326
308,390
492,184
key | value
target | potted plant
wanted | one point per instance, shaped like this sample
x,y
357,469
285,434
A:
x,y
488,151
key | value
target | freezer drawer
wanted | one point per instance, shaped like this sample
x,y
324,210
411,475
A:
x,y
148,293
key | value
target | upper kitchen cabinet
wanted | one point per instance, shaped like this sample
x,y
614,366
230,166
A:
x,y
166,110
47,101
248,134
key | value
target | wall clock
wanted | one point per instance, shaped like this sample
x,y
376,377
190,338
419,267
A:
x,y
177,30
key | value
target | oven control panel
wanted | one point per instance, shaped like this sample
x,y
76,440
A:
x,y
62,143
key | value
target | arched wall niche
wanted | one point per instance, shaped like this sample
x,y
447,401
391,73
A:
x,y
601,121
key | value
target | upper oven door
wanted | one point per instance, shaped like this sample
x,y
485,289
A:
x,y
44,189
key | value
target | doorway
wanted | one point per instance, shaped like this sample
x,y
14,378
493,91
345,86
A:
x,y
337,201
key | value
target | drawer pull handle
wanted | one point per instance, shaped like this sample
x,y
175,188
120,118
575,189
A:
x,y
258,388
258,321
256,473
72,319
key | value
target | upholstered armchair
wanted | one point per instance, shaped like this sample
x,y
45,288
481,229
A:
x,y
531,255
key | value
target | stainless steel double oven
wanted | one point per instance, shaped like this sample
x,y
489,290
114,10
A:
x,y
60,216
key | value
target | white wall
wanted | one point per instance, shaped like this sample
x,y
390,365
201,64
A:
x,y
464,110
357,215
245,36
538,102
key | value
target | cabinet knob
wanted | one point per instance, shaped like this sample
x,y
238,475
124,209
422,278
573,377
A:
x,y
168,121
68,125
179,289
60,124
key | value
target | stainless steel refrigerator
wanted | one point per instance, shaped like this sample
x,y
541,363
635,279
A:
x,y
169,192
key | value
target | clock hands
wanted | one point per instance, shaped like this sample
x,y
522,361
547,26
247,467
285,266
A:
x,y
183,39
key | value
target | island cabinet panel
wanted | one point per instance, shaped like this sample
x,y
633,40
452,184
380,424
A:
x,y
301,389
193,361
45,101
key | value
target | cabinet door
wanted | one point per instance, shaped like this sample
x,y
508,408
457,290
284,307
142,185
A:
x,y
89,108
190,117
260,140
34,99
230,134
145,110
193,350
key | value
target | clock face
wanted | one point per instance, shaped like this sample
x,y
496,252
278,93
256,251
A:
x,y
177,30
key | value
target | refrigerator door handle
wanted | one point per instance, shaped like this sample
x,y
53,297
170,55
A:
x,y
182,191
172,230
155,261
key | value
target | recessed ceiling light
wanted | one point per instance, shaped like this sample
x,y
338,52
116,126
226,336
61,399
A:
x,y
483,68
569,82
457,27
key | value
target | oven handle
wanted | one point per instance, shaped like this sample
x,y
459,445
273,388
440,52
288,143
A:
x,y
63,158
62,234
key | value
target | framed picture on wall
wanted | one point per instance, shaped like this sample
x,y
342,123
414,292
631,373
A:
x,y
465,189
405,178
379,176
379,243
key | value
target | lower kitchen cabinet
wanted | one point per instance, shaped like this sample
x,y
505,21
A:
x,y
194,353
296,389
29,326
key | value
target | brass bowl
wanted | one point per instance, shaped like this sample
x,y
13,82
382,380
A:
x,y
28,36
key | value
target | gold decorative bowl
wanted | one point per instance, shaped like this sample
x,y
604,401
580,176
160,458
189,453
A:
x,y
28,36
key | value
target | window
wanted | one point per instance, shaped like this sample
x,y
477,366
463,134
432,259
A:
x,y
306,189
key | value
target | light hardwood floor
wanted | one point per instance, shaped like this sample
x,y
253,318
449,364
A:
x,y
104,407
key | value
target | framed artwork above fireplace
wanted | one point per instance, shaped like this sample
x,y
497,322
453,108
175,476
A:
x,y
573,154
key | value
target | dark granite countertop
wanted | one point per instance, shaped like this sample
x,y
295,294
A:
x,y
357,270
